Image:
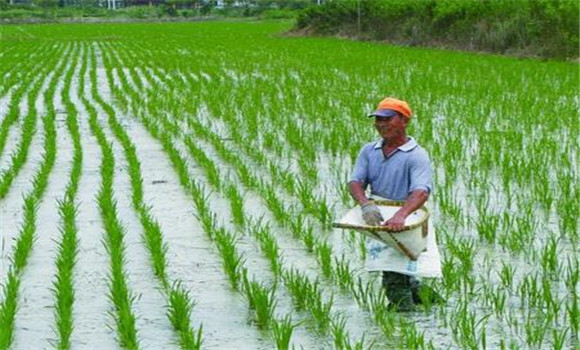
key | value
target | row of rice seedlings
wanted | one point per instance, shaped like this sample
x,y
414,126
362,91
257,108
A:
x,y
180,304
25,239
260,298
20,155
63,286
25,81
119,292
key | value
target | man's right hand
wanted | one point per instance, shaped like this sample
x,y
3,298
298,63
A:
x,y
371,213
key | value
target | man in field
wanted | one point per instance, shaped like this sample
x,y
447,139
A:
x,y
396,168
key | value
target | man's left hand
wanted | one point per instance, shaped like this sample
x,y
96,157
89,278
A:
x,y
396,223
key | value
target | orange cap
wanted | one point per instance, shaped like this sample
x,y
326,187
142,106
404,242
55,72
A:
x,y
392,104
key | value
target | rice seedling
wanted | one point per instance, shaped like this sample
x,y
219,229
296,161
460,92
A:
x,y
362,292
342,272
300,287
269,246
282,332
324,255
232,260
559,338
261,299
237,205
320,311
63,288
179,313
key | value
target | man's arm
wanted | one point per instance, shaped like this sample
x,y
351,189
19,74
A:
x,y
370,212
357,192
414,202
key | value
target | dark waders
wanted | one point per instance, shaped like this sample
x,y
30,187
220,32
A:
x,y
404,292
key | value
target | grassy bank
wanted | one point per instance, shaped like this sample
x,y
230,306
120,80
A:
x,y
544,28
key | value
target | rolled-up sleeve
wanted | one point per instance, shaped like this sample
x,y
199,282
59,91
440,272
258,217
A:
x,y
421,173
361,167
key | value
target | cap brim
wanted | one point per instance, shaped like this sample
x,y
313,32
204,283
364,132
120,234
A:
x,y
384,113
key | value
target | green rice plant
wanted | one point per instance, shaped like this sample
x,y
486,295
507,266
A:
x,y
464,250
262,300
63,287
179,313
269,247
506,275
342,272
324,256
300,287
549,256
535,330
559,338
384,318
305,194
573,312
26,236
232,260
499,298
339,332
308,238
208,222
154,241
237,205
297,224
469,329
411,337
274,203
320,311
282,332
8,309
362,292
211,171
487,227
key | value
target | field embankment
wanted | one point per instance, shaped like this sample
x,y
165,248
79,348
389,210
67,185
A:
x,y
521,27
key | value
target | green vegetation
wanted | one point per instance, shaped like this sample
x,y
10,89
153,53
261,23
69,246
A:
x,y
262,136
523,27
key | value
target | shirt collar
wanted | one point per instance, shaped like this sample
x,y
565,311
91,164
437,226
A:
x,y
406,147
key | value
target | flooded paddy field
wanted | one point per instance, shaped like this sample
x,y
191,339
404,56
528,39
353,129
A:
x,y
173,185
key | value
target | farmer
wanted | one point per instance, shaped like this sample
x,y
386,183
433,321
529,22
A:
x,y
396,168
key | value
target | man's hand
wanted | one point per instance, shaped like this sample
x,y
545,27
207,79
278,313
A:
x,y
396,223
371,213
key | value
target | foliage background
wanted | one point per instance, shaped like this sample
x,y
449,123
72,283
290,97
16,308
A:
x,y
546,28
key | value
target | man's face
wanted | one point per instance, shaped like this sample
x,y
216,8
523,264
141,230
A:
x,y
390,127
